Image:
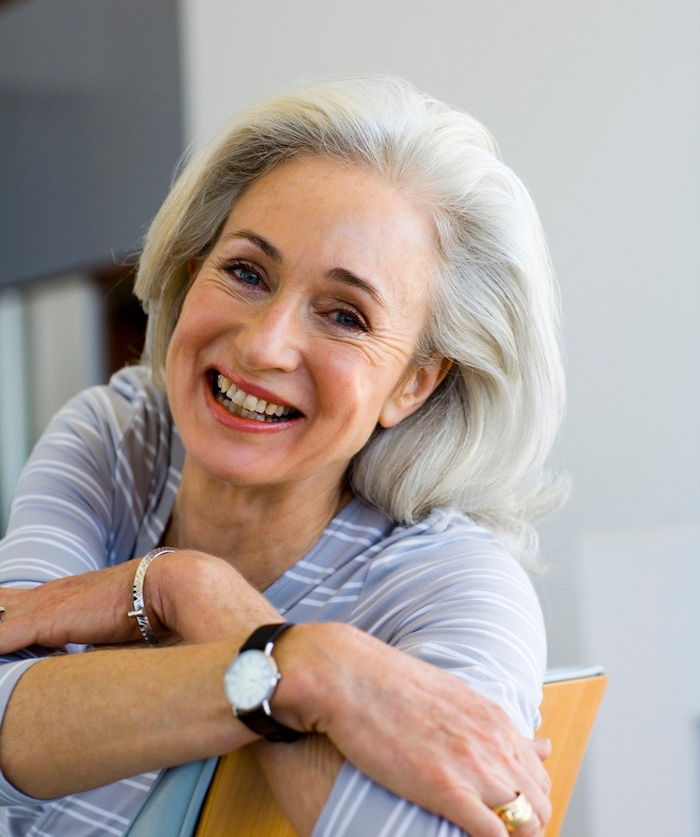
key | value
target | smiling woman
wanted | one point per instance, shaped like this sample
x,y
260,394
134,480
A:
x,y
350,386
312,300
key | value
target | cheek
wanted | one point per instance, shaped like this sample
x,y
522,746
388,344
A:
x,y
197,326
351,387
184,349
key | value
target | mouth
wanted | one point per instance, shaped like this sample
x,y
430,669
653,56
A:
x,y
243,404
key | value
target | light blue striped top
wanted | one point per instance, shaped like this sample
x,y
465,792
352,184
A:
x,y
99,489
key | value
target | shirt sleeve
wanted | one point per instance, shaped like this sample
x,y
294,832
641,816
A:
x,y
64,518
359,807
470,611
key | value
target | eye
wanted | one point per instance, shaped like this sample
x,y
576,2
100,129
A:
x,y
349,319
244,272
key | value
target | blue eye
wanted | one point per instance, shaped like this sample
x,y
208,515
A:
x,y
349,320
246,274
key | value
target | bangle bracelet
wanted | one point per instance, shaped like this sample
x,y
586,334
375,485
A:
x,y
139,611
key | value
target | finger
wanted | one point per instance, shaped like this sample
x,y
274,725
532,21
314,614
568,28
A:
x,y
533,826
476,818
543,748
539,801
520,782
485,822
528,776
536,785
531,761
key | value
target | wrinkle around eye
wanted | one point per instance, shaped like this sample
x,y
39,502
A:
x,y
240,269
349,320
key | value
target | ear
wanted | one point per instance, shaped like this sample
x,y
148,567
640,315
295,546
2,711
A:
x,y
413,391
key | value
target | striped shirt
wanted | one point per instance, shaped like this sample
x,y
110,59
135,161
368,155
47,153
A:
x,y
99,489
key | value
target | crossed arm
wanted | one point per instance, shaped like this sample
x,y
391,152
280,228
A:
x,y
133,709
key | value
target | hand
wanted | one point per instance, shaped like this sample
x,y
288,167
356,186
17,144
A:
x,y
414,729
90,608
188,594
203,598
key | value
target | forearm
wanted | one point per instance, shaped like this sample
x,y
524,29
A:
x,y
80,721
414,731
132,709
408,726
301,777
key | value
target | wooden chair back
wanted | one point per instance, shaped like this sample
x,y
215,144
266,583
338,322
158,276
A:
x,y
241,804
569,708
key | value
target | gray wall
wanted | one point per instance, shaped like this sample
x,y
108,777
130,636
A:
x,y
90,129
596,105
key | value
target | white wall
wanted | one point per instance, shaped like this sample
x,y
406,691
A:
x,y
64,321
595,103
51,347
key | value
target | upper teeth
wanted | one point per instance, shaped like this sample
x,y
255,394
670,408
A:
x,y
249,402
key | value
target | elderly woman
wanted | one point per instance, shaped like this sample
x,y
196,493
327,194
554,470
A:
x,y
350,386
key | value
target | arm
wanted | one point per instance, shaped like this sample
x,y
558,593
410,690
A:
x,y
368,699
169,702
99,485
460,603
88,539
442,746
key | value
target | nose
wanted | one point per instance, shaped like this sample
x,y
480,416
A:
x,y
272,337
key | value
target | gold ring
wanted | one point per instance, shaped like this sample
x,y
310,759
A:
x,y
515,813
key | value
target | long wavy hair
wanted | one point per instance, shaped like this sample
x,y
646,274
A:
x,y
480,442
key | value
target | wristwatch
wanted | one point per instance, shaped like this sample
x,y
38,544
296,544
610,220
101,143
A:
x,y
250,682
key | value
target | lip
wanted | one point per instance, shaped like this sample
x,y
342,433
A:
x,y
234,422
252,388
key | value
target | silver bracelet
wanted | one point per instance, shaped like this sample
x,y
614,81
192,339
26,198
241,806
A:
x,y
139,611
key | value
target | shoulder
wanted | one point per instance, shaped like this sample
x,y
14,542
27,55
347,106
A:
x,y
450,540
447,564
129,398
100,465
102,419
455,597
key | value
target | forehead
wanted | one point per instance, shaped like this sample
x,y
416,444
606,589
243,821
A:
x,y
322,210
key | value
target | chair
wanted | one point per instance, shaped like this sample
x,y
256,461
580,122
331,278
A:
x,y
569,706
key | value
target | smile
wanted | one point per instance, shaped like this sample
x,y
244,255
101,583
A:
x,y
241,403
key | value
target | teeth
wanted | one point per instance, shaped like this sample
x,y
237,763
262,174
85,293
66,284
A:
x,y
242,403
250,402
237,396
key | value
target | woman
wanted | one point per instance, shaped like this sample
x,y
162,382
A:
x,y
351,384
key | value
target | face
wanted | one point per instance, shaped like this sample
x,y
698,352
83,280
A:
x,y
297,335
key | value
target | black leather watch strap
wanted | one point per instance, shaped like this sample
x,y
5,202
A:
x,y
260,720
264,634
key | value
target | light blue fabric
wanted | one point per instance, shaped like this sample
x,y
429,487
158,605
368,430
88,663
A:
x,y
100,488
173,804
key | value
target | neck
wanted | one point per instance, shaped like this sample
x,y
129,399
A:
x,y
261,531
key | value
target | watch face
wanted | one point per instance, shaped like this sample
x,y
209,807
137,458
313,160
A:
x,y
251,679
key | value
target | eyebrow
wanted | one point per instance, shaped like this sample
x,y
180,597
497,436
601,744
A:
x,y
268,249
347,277
338,274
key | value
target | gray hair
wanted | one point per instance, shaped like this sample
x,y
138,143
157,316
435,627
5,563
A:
x,y
480,442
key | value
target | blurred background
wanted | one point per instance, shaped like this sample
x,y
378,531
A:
x,y
595,103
